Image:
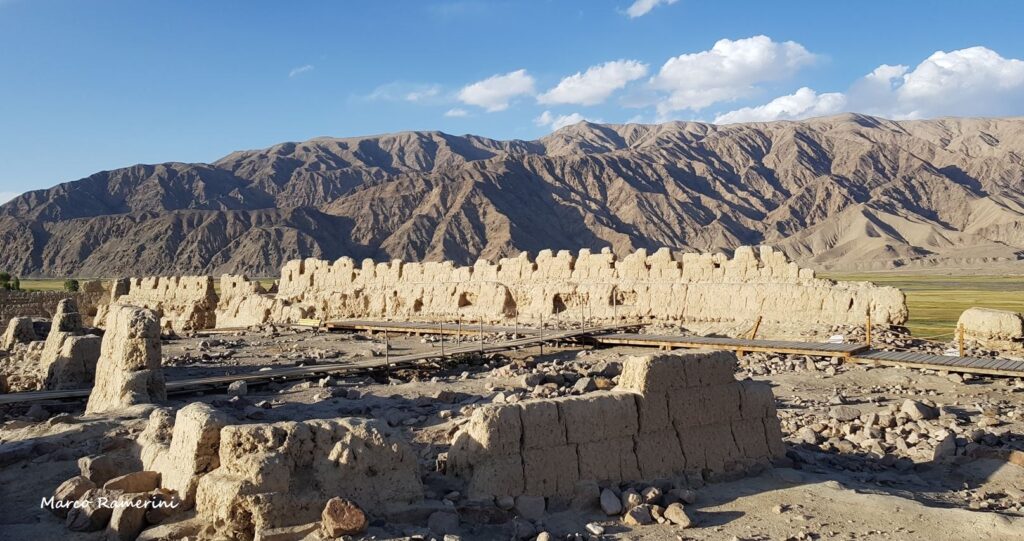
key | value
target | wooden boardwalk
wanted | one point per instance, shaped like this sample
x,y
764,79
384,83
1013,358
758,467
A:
x,y
972,365
319,370
735,344
419,327
858,353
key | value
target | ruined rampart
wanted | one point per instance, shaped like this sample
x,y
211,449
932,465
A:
x,y
183,303
596,287
678,415
43,304
553,287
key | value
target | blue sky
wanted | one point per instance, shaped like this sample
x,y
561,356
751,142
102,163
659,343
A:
x,y
89,85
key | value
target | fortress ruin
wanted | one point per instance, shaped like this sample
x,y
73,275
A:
x,y
590,287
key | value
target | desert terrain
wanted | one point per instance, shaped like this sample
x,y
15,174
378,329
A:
x,y
249,408
826,487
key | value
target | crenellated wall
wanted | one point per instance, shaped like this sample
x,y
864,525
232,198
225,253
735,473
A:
x,y
184,303
599,287
560,286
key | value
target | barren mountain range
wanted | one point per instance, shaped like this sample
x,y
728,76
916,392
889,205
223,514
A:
x,y
844,192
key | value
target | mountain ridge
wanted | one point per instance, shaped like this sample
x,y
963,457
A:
x,y
844,192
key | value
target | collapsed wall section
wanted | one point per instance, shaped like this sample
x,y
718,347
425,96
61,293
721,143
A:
x,y
598,287
282,474
1000,329
183,303
672,415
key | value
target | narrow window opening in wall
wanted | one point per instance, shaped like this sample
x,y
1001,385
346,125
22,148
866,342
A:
x,y
465,300
417,305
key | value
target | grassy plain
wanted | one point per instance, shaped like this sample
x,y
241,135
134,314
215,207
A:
x,y
936,301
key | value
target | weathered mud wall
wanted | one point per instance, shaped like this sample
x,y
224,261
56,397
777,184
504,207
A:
x,y
999,329
183,303
43,304
593,287
598,287
671,415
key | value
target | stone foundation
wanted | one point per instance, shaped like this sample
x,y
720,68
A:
x,y
672,415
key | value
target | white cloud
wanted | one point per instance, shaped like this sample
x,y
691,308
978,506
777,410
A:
x,y
730,70
596,84
7,196
423,93
412,92
967,82
558,121
803,103
639,8
975,81
456,113
300,70
495,93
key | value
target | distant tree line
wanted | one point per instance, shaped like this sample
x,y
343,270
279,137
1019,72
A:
x,y
8,282
13,283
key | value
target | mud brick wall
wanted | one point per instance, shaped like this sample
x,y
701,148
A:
x,y
598,287
672,415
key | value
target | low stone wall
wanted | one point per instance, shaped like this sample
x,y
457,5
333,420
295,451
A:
x,y
672,415
999,329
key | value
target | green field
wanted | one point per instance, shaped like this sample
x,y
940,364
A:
x,y
936,301
43,284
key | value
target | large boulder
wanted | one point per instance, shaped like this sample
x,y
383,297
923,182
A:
x,y
128,371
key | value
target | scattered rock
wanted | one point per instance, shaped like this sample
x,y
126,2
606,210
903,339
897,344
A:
x,y
676,514
610,503
342,517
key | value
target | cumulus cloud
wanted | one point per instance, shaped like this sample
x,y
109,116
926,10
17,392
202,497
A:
x,y
730,70
968,82
456,113
976,81
496,92
300,70
555,122
803,103
596,84
639,8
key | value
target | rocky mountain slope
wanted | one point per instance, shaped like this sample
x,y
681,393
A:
x,y
844,192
